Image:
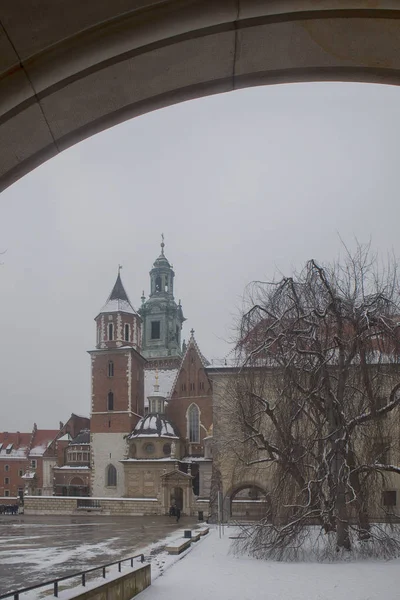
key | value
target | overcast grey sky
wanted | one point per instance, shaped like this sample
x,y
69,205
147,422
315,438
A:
x,y
243,185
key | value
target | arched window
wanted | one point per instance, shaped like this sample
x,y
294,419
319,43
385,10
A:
x,y
158,284
126,332
111,476
193,423
110,401
110,332
111,369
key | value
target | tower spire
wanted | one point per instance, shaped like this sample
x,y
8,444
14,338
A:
x,y
162,244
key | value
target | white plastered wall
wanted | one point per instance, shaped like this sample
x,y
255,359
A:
x,y
108,448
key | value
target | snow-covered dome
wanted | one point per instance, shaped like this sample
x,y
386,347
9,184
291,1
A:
x,y
154,425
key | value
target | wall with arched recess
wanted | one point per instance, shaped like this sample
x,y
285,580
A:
x,y
70,69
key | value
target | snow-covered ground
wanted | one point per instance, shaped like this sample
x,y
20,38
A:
x,y
37,549
210,571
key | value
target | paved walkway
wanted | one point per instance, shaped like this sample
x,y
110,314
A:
x,y
35,549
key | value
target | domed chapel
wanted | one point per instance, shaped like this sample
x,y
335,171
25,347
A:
x,y
151,409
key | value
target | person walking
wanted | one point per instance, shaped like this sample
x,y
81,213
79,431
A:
x,y
178,514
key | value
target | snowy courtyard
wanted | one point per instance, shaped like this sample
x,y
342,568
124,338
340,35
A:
x,y
36,549
210,571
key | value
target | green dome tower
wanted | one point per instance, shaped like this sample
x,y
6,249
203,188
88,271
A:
x,y
162,316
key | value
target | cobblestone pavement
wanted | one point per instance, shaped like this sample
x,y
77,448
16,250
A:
x,y
36,549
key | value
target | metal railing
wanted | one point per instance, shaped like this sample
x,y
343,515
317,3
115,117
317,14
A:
x,y
81,574
87,503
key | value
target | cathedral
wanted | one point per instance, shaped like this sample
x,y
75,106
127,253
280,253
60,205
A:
x,y
151,401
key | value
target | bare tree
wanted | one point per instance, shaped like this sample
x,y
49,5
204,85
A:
x,y
317,401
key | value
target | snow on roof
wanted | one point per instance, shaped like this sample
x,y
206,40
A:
x,y
118,305
14,445
166,378
154,425
64,438
118,300
66,467
42,440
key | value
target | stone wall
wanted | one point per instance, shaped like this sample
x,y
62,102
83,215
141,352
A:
x,y
68,505
124,587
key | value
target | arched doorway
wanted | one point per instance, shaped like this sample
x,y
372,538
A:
x,y
64,80
177,497
247,502
77,487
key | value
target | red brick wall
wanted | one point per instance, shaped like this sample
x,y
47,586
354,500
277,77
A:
x,y
119,385
188,390
15,480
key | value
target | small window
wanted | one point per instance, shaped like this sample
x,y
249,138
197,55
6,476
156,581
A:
x,y
126,332
167,449
111,369
201,385
6,468
389,498
110,401
155,330
192,387
6,480
149,448
20,472
183,387
111,476
158,284
7,493
34,463
110,332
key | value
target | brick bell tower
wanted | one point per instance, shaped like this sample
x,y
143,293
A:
x,y
117,389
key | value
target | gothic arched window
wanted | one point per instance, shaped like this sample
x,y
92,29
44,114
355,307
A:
x,y
111,476
110,332
110,368
193,423
126,332
110,401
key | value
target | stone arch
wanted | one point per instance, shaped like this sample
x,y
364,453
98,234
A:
x,y
251,508
64,80
76,481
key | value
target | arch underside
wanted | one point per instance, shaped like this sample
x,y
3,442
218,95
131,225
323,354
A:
x,y
70,69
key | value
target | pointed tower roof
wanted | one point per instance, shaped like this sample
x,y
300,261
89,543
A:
x,y
118,300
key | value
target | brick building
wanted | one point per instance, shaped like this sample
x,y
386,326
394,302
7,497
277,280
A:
x,y
150,387
72,477
27,459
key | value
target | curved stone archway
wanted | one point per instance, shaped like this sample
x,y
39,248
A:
x,y
70,69
248,507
